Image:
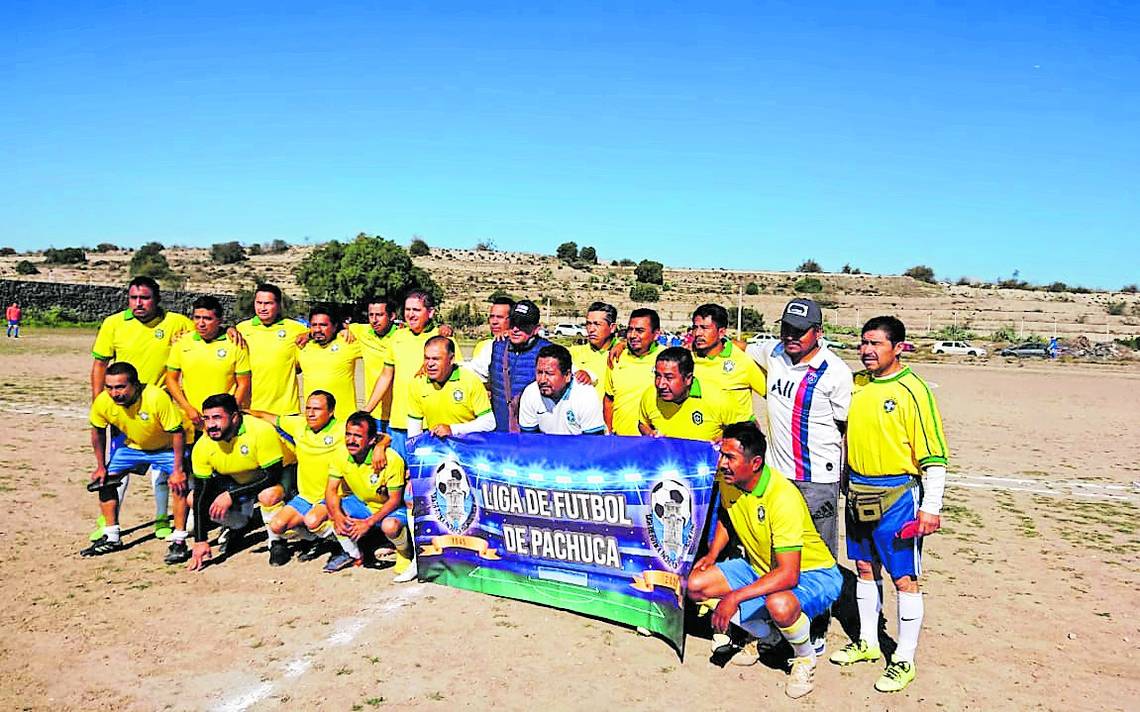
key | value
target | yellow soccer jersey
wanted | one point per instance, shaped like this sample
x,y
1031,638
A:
x,y
626,383
377,351
893,426
479,347
372,488
586,358
332,368
407,359
208,367
255,447
122,337
702,416
734,373
273,364
314,450
774,518
461,399
148,423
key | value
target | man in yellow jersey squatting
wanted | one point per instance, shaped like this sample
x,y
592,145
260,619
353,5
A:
x,y
632,373
896,456
240,459
721,366
141,335
407,351
206,362
360,497
375,339
787,575
155,434
590,358
499,321
328,363
677,405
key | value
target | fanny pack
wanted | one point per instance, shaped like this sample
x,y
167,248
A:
x,y
868,502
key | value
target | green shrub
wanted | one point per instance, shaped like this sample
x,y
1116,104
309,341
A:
x,y
227,253
642,292
464,315
1117,308
650,272
105,247
567,251
954,333
1005,333
588,254
25,267
921,272
367,266
752,289
65,256
809,266
808,285
418,248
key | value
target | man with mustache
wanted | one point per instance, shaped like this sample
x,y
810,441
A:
x,y
677,406
628,378
240,461
721,366
155,435
556,403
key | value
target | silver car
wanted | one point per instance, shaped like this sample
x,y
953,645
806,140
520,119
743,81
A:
x,y
960,348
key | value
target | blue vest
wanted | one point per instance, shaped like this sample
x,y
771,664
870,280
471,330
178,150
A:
x,y
522,365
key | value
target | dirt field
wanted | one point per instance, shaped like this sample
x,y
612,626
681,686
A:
x,y
1032,594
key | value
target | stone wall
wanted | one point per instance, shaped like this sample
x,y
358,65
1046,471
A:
x,y
84,302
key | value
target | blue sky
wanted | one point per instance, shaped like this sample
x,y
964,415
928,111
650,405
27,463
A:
x,y
978,138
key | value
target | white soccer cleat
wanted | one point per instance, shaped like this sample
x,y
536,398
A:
x,y
408,574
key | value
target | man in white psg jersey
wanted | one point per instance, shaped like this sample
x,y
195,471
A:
x,y
809,392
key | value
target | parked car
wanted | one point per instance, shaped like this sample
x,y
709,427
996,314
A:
x,y
1026,350
908,347
763,338
959,348
569,330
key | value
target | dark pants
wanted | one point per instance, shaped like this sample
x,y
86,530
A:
x,y
823,503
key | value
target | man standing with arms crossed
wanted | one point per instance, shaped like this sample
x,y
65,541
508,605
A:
x,y
590,358
809,393
155,436
897,456
556,403
720,366
630,375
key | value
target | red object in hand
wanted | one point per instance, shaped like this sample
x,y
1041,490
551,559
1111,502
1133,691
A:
x,y
909,530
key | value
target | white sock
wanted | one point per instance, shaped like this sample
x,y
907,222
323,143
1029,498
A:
x,y
349,546
869,599
267,513
798,635
178,535
111,531
910,625
273,536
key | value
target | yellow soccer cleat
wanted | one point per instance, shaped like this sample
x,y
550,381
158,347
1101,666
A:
x,y
896,677
857,652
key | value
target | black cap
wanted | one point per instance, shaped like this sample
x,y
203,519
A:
x,y
802,314
525,314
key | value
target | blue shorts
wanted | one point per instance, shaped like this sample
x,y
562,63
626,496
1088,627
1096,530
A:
x,y
381,426
354,507
878,541
301,504
816,591
128,459
399,441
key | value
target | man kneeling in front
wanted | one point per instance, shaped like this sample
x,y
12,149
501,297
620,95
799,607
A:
x,y
787,576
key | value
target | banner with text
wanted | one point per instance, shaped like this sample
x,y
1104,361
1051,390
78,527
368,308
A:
x,y
606,526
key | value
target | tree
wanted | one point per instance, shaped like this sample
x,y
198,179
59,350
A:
x,y
105,247
751,320
498,293
148,261
227,253
641,292
626,262
485,246
808,285
65,256
254,250
276,247
567,251
25,267
752,289
809,266
418,247
7,251
848,269
464,315
650,272
1129,289
367,266
588,254
921,272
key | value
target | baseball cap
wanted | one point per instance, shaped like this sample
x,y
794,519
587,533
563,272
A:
x,y
802,314
524,314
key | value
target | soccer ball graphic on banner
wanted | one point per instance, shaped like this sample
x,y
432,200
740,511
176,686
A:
x,y
451,497
670,520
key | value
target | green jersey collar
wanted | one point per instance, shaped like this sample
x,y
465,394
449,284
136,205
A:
x,y
894,377
762,485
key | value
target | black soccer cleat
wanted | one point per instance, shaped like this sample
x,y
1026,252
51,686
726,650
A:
x,y
102,546
279,553
177,553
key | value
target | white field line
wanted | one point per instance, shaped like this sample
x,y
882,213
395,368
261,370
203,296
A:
x,y
61,411
1052,488
344,632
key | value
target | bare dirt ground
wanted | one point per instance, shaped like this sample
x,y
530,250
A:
x,y
1032,594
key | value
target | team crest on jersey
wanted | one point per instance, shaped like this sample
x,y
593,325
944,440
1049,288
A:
x,y
812,377
374,478
452,500
698,418
244,449
335,347
670,521
159,333
889,405
761,514
328,440
221,353
281,333
570,417
457,395
729,366
143,415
